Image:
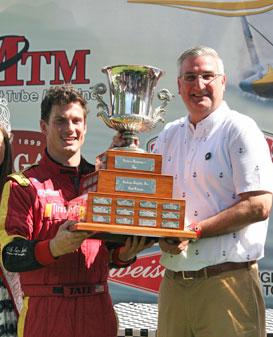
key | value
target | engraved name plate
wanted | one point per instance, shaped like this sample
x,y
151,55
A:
x,y
147,222
135,163
102,201
124,221
148,204
135,185
170,205
125,211
125,202
101,218
101,209
147,213
170,215
170,224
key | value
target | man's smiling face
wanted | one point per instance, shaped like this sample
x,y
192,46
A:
x,y
201,97
65,132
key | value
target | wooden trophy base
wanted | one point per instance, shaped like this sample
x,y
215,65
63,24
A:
x,y
119,233
128,196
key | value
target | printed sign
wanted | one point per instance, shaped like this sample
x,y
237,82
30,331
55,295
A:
x,y
27,148
146,273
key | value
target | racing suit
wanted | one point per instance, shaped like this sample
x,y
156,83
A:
x,y
65,296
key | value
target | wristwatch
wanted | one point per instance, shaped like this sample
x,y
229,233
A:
x,y
194,227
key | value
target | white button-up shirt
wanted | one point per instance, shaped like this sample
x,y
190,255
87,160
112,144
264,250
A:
x,y
225,155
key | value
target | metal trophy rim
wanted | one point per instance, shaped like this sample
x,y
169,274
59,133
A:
x,y
104,69
131,88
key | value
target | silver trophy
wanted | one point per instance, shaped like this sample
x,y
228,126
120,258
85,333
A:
x,y
131,96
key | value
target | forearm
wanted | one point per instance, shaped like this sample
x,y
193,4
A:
x,y
250,209
19,256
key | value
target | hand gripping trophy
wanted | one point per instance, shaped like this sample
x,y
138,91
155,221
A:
x,y
128,195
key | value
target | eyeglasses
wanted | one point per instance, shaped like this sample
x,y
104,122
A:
x,y
206,77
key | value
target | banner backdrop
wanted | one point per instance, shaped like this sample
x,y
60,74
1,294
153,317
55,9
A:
x,y
48,42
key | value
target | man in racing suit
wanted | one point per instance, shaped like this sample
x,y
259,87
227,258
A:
x,y
63,274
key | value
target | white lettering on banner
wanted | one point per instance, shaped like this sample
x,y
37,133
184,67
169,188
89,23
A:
x,y
145,274
29,142
20,157
138,271
56,209
27,148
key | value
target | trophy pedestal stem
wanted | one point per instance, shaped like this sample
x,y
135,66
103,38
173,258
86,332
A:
x,y
130,142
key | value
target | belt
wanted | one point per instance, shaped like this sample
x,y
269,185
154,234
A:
x,y
70,290
211,270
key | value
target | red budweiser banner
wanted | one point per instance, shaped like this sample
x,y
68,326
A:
x,y
145,274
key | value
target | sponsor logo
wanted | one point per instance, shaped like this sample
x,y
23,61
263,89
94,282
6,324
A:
x,y
146,273
150,144
15,53
46,193
17,58
55,211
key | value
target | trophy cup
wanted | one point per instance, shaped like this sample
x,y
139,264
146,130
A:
x,y
131,96
127,194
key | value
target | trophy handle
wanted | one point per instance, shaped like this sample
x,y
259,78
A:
x,y
96,91
165,96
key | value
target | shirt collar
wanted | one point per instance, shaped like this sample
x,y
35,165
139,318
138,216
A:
x,y
213,118
58,168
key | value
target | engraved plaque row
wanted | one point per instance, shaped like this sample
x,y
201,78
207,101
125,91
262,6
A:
x,y
102,209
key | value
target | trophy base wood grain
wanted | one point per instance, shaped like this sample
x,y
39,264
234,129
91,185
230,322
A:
x,y
108,232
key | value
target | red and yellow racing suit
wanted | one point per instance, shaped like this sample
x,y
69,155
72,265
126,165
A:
x,y
63,297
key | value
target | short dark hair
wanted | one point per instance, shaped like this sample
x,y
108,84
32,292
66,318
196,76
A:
x,y
6,166
61,94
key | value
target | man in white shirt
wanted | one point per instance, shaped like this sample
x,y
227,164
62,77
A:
x,y
221,167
